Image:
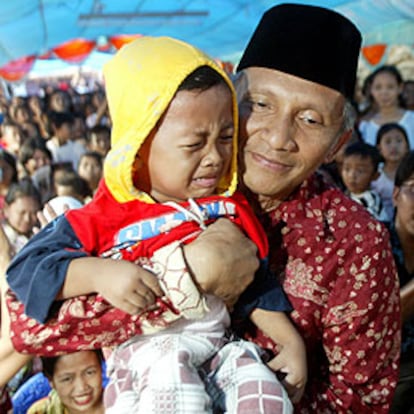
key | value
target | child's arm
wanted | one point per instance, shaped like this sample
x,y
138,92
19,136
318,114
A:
x,y
123,284
291,359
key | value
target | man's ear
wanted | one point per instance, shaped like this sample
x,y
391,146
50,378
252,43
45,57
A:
x,y
395,193
341,141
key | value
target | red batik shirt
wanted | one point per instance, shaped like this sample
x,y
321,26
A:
x,y
337,270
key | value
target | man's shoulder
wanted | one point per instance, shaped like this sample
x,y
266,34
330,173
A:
x,y
326,210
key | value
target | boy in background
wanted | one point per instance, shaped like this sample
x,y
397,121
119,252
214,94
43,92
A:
x,y
359,170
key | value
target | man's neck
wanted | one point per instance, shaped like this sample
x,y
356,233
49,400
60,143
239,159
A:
x,y
260,203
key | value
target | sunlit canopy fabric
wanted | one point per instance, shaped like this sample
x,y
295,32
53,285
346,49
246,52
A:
x,y
219,27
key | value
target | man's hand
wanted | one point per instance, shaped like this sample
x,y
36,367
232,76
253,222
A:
x,y
291,360
222,260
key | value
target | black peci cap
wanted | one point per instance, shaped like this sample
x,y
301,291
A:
x,y
313,43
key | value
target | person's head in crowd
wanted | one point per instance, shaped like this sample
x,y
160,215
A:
x,y
90,168
403,197
292,96
11,137
30,129
62,125
4,108
97,98
100,139
392,143
385,87
8,171
59,101
69,183
17,100
21,113
360,167
408,94
77,382
79,130
36,105
22,203
34,154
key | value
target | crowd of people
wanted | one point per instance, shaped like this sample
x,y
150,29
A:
x,y
143,174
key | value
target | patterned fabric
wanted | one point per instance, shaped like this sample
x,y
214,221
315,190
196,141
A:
x,y
89,322
204,375
336,266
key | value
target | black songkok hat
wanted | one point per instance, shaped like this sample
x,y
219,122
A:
x,y
310,42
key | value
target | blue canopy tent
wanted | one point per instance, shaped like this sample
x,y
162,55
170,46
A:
x,y
219,27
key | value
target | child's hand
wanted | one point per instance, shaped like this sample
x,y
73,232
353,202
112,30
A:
x,y
291,360
127,286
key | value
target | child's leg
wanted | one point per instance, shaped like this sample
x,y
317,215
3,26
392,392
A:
x,y
239,382
160,376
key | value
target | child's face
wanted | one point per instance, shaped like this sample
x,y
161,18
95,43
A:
x,y
357,173
64,133
100,142
21,214
90,169
393,146
191,149
38,160
13,138
385,89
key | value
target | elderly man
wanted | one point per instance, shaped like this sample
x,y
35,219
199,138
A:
x,y
295,80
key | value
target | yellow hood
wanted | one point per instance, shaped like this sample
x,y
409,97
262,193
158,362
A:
x,y
141,80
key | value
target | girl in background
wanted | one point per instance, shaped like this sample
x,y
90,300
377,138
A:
x,y
385,90
392,143
21,206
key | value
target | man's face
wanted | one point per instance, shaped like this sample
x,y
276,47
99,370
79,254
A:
x,y
288,127
77,380
403,198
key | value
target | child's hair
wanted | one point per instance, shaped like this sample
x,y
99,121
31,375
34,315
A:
x,y
364,150
57,119
391,69
202,78
7,123
98,129
49,363
23,188
405,169
93,154
389,127
71,179
10,160
29,147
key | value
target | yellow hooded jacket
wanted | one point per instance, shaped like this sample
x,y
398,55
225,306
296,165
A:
x,y
141,81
